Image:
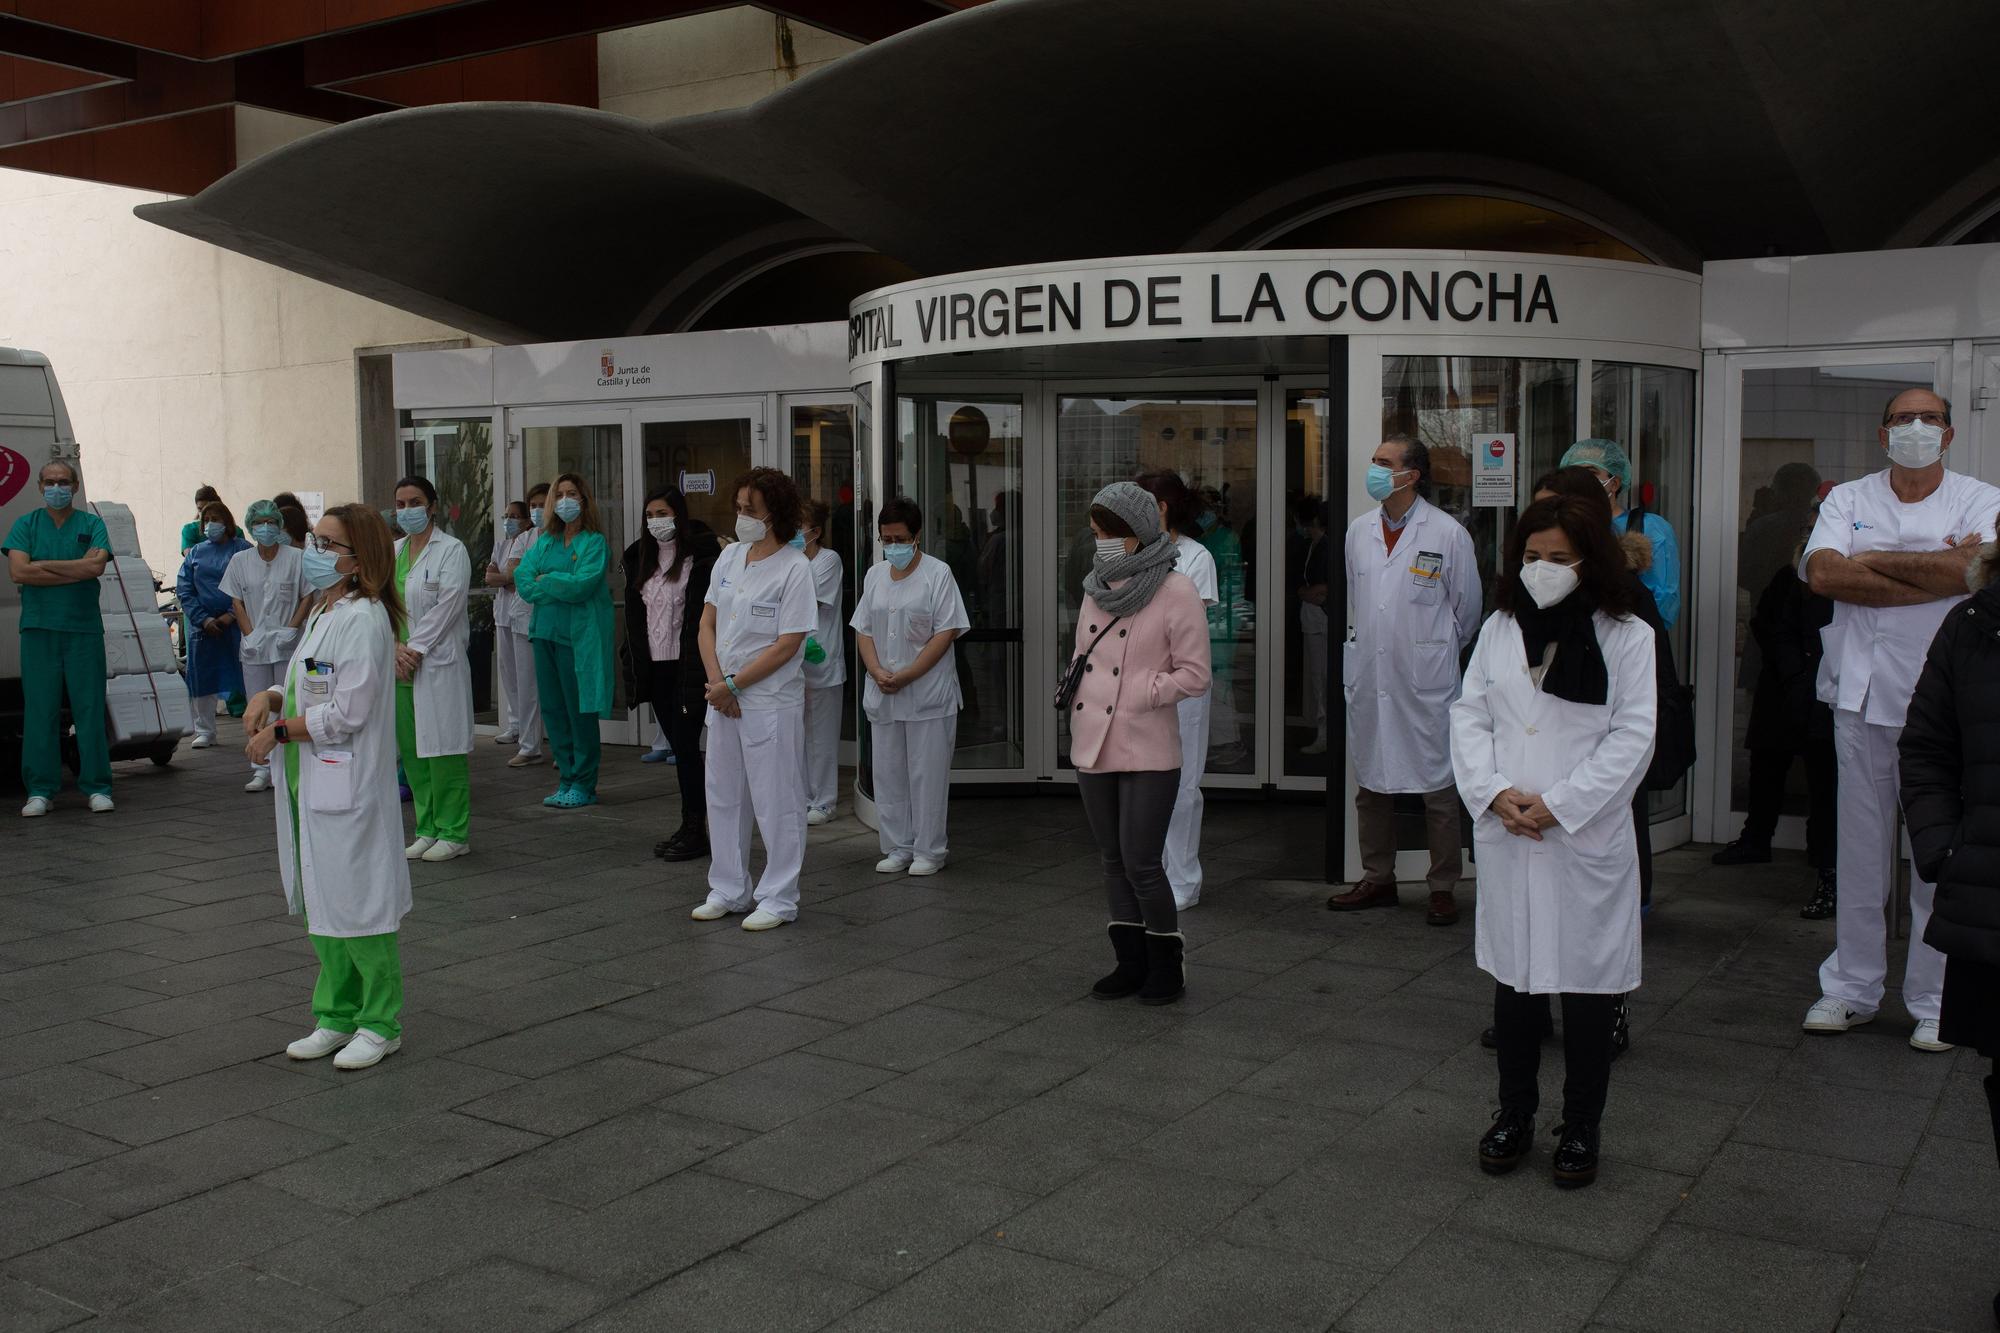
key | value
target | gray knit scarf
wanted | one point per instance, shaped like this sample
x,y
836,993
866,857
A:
x,y
1138,576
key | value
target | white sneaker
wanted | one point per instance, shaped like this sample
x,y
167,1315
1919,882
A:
x,y
709,912
1831,1015
445,851
415,851
893,864
1925,1038
366,1049
525,759
762,920
259,781
925,866
507,738
201,742
1315,746
322,1042
36,807
815,815
100,804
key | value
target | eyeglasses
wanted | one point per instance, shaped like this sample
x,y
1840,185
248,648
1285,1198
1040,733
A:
x,y
324,544
1910,418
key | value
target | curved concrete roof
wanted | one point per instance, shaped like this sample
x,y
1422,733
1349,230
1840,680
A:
x,y
1031,130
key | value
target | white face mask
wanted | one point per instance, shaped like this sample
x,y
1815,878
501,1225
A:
x,y
751,530
1548,582
1110,548
661,528
1918,444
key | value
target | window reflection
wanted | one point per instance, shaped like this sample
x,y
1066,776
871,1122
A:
x,y
456,455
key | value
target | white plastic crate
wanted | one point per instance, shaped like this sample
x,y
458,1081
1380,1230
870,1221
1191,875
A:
x,y
141,708
137,649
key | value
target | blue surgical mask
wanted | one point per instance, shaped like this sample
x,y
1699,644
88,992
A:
x,y
899,554
268,534
798,541
1381,482
1207,520
57,497
510,527
414,519
215,532
321,569
535,517
568,508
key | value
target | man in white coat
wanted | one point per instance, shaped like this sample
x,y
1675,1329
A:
x,y
1413,595
1892,551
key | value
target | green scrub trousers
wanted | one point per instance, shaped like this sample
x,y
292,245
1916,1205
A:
x,y
572,733
440,788
360,977
51,661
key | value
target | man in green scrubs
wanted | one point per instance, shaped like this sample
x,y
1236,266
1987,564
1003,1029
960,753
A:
x,y
55,555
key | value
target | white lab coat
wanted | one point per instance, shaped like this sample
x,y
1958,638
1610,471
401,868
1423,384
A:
x,y
1561,914
349,877
435,596
1413,611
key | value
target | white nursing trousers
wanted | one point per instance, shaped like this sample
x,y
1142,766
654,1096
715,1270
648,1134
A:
x,y
756,775
823,747
1183,850
516,652
912,768
257,677
1859,964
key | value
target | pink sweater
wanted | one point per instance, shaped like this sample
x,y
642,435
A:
x,y
1124,720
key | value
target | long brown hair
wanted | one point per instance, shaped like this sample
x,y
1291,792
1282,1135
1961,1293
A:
x,y
587,521
375,553
1600,567
215,511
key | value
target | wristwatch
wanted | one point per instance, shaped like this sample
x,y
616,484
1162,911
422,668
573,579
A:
x,y
284,738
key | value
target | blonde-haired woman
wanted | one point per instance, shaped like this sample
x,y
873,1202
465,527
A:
x,y
340,825
563,578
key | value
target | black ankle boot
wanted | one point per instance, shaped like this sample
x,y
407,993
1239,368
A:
x,y
1128,942
1502,1147
690,844
1621,1027
1576,1154
1825,900
1164,982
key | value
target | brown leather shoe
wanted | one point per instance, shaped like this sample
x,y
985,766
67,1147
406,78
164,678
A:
x,y
1363,896
1443,910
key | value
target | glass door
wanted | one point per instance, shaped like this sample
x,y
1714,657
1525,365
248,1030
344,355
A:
x,y
456,455
1797,425
591,443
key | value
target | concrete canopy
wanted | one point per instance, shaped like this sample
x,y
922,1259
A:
x,y
1038,130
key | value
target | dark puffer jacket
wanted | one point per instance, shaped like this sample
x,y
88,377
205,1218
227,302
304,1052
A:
x,y
1951,773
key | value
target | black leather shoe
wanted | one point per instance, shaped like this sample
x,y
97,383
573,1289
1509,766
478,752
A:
x,y
1502,1147
1825,900
1742,852
690,844
1576,1154
1128,942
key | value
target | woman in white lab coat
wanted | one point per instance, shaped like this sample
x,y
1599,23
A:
x,y
826,679
433,675
332,722
1549,739
1179,511
905,625
521,724
268,597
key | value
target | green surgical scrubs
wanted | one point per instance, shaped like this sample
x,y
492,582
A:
x,y
565,583
62,649
360,977
440,788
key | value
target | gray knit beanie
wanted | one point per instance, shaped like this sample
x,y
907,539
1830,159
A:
x,y
1136,505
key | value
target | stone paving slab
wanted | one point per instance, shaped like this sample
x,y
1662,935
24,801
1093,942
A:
x,y
903,1112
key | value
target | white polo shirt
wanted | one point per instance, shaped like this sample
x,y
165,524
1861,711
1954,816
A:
x,y
901,616
1874,653
1192,559
754,603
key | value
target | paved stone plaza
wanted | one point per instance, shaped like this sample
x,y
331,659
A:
x,y
904,1113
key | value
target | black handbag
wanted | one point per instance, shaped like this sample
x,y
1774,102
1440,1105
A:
x,y
1072,680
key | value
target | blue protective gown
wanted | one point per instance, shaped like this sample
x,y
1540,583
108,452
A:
x,y
213,665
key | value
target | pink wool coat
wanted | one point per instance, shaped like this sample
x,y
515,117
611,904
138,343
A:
x,y
1123,719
